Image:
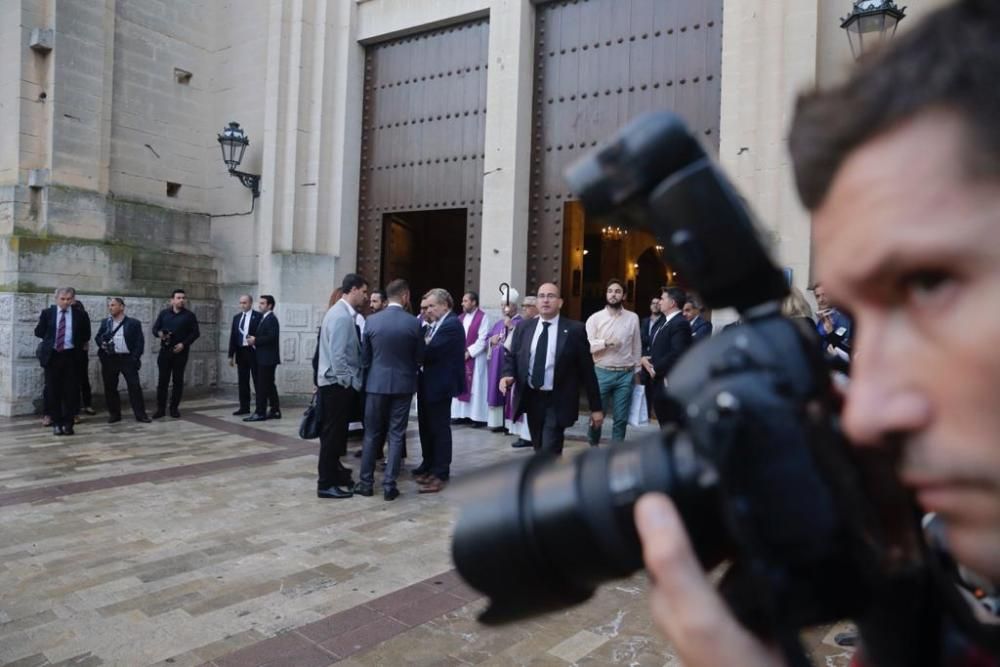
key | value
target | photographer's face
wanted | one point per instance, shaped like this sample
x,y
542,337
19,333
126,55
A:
x,y
115,308
918,259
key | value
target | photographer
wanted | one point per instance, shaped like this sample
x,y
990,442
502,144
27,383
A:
x,y
901,169
177,329
120,344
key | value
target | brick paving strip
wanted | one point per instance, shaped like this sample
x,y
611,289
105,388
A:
x,y
289,448
346,633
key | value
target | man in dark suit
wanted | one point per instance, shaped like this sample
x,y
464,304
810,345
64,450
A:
x,y
442,377
669,343
701,329
265,344
550,359
63,330
120,344
241,352
391,352
647,329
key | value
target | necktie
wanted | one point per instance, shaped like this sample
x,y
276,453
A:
x,y
243,330
541,352
430,332
61,332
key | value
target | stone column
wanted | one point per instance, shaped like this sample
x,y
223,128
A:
x,y
507,174
769,54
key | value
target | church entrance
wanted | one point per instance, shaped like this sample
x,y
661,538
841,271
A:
x,y
596,251
427,249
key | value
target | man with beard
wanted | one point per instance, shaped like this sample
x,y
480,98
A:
x,y
339,379
918,260
616,344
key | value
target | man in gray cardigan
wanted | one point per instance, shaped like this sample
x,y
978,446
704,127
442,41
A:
x,y
392,351
339,380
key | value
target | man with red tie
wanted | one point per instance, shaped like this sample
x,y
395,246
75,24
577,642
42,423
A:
x,y
63,330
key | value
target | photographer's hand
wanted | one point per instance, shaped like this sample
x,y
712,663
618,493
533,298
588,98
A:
x,y
685,606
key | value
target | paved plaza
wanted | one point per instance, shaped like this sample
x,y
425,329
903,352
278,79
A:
x,y
200,540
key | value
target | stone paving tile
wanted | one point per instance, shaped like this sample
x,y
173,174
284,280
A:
x,y
200,540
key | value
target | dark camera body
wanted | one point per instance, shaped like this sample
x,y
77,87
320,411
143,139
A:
x,y
756,464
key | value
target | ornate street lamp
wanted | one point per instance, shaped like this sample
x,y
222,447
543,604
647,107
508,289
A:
x,y
870,23
234,142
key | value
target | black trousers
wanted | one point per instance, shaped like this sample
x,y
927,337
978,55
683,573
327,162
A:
x,y
335,405
246,368
267,390
83,373
171,367
668,411
434,424
546,434
62,387
122,364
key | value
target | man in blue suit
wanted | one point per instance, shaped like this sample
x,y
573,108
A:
x,y
391,351
442,377
701,329
120,344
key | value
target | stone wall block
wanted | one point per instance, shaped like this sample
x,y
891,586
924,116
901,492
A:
x,y
28,382
27,307
308,347
289,348
207,313
295,379
6,334
6,307
296,316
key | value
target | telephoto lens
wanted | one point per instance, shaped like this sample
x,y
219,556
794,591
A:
x,y
541,534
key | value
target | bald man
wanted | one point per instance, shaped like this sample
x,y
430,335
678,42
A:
x,y
550,359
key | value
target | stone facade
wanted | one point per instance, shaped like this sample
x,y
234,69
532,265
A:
x,y
111,178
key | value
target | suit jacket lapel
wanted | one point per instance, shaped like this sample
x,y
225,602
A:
x,y
529,334
561,338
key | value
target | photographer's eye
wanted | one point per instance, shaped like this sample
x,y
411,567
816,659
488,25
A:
x,y
928,287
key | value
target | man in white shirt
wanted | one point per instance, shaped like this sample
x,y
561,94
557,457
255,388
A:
x,y
550,359
616,344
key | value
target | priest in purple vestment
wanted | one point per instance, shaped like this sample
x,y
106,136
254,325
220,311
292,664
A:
x,y
500,405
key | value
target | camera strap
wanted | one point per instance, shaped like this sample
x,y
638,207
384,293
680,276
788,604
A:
x,y
112,334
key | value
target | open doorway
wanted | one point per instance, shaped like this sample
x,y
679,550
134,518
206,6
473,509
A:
x,y
595,251
427,249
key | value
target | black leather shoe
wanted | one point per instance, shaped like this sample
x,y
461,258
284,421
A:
x,y
497,429
363,490
67,430
521,443
175,413
143,418
333,492
477,424
274,414
255,418
241,412
57,430
159,414
391,494
114,418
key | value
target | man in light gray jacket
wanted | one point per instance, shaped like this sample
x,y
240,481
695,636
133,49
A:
x,y
339,378
392,352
